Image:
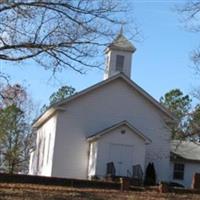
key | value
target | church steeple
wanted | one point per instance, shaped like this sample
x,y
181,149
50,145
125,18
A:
x,y
119,56
121,30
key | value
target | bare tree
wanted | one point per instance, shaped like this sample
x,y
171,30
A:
x,y
190,15
56,34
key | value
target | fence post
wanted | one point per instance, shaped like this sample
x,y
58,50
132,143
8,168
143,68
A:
x,y
125,184
163,187
196,181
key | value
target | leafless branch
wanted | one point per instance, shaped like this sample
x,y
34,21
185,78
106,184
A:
x,y
57,34
190,17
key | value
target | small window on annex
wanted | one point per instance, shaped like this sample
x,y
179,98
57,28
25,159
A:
x,y
119,63
178,171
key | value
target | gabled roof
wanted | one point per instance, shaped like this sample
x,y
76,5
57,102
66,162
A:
x,y
58,106
185,150
103,132
121,43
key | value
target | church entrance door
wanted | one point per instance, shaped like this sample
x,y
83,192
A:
x,y
122,157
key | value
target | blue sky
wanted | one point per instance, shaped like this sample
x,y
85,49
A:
x,y
160,63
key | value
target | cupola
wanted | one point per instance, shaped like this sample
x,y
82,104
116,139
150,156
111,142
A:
x,y
119,56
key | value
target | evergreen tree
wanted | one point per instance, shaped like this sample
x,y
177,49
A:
x,y
178,104
15,130
61,94
194,124
150,175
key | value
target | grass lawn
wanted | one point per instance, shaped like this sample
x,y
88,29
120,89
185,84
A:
x,y
41,192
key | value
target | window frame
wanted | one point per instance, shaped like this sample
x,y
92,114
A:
x,y
178,171
48,148
119,66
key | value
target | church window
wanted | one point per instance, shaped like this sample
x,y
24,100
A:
x,y
178,171
119,63
48,148
38,155
43,150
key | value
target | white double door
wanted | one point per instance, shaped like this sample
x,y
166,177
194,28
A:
x,y
122,157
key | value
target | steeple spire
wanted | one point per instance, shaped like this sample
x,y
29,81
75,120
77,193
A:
x,y
121,30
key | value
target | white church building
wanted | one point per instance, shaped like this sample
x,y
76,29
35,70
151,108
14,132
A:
x,y
114,121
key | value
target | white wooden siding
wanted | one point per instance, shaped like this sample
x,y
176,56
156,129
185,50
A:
x,y
190,168
42,157
99,109
111,146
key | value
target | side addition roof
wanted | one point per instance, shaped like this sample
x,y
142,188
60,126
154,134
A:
x,y
103,132
185,150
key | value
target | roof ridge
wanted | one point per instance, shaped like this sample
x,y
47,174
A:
x,y
141,91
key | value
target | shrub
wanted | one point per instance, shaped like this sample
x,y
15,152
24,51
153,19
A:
x,y
150,175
